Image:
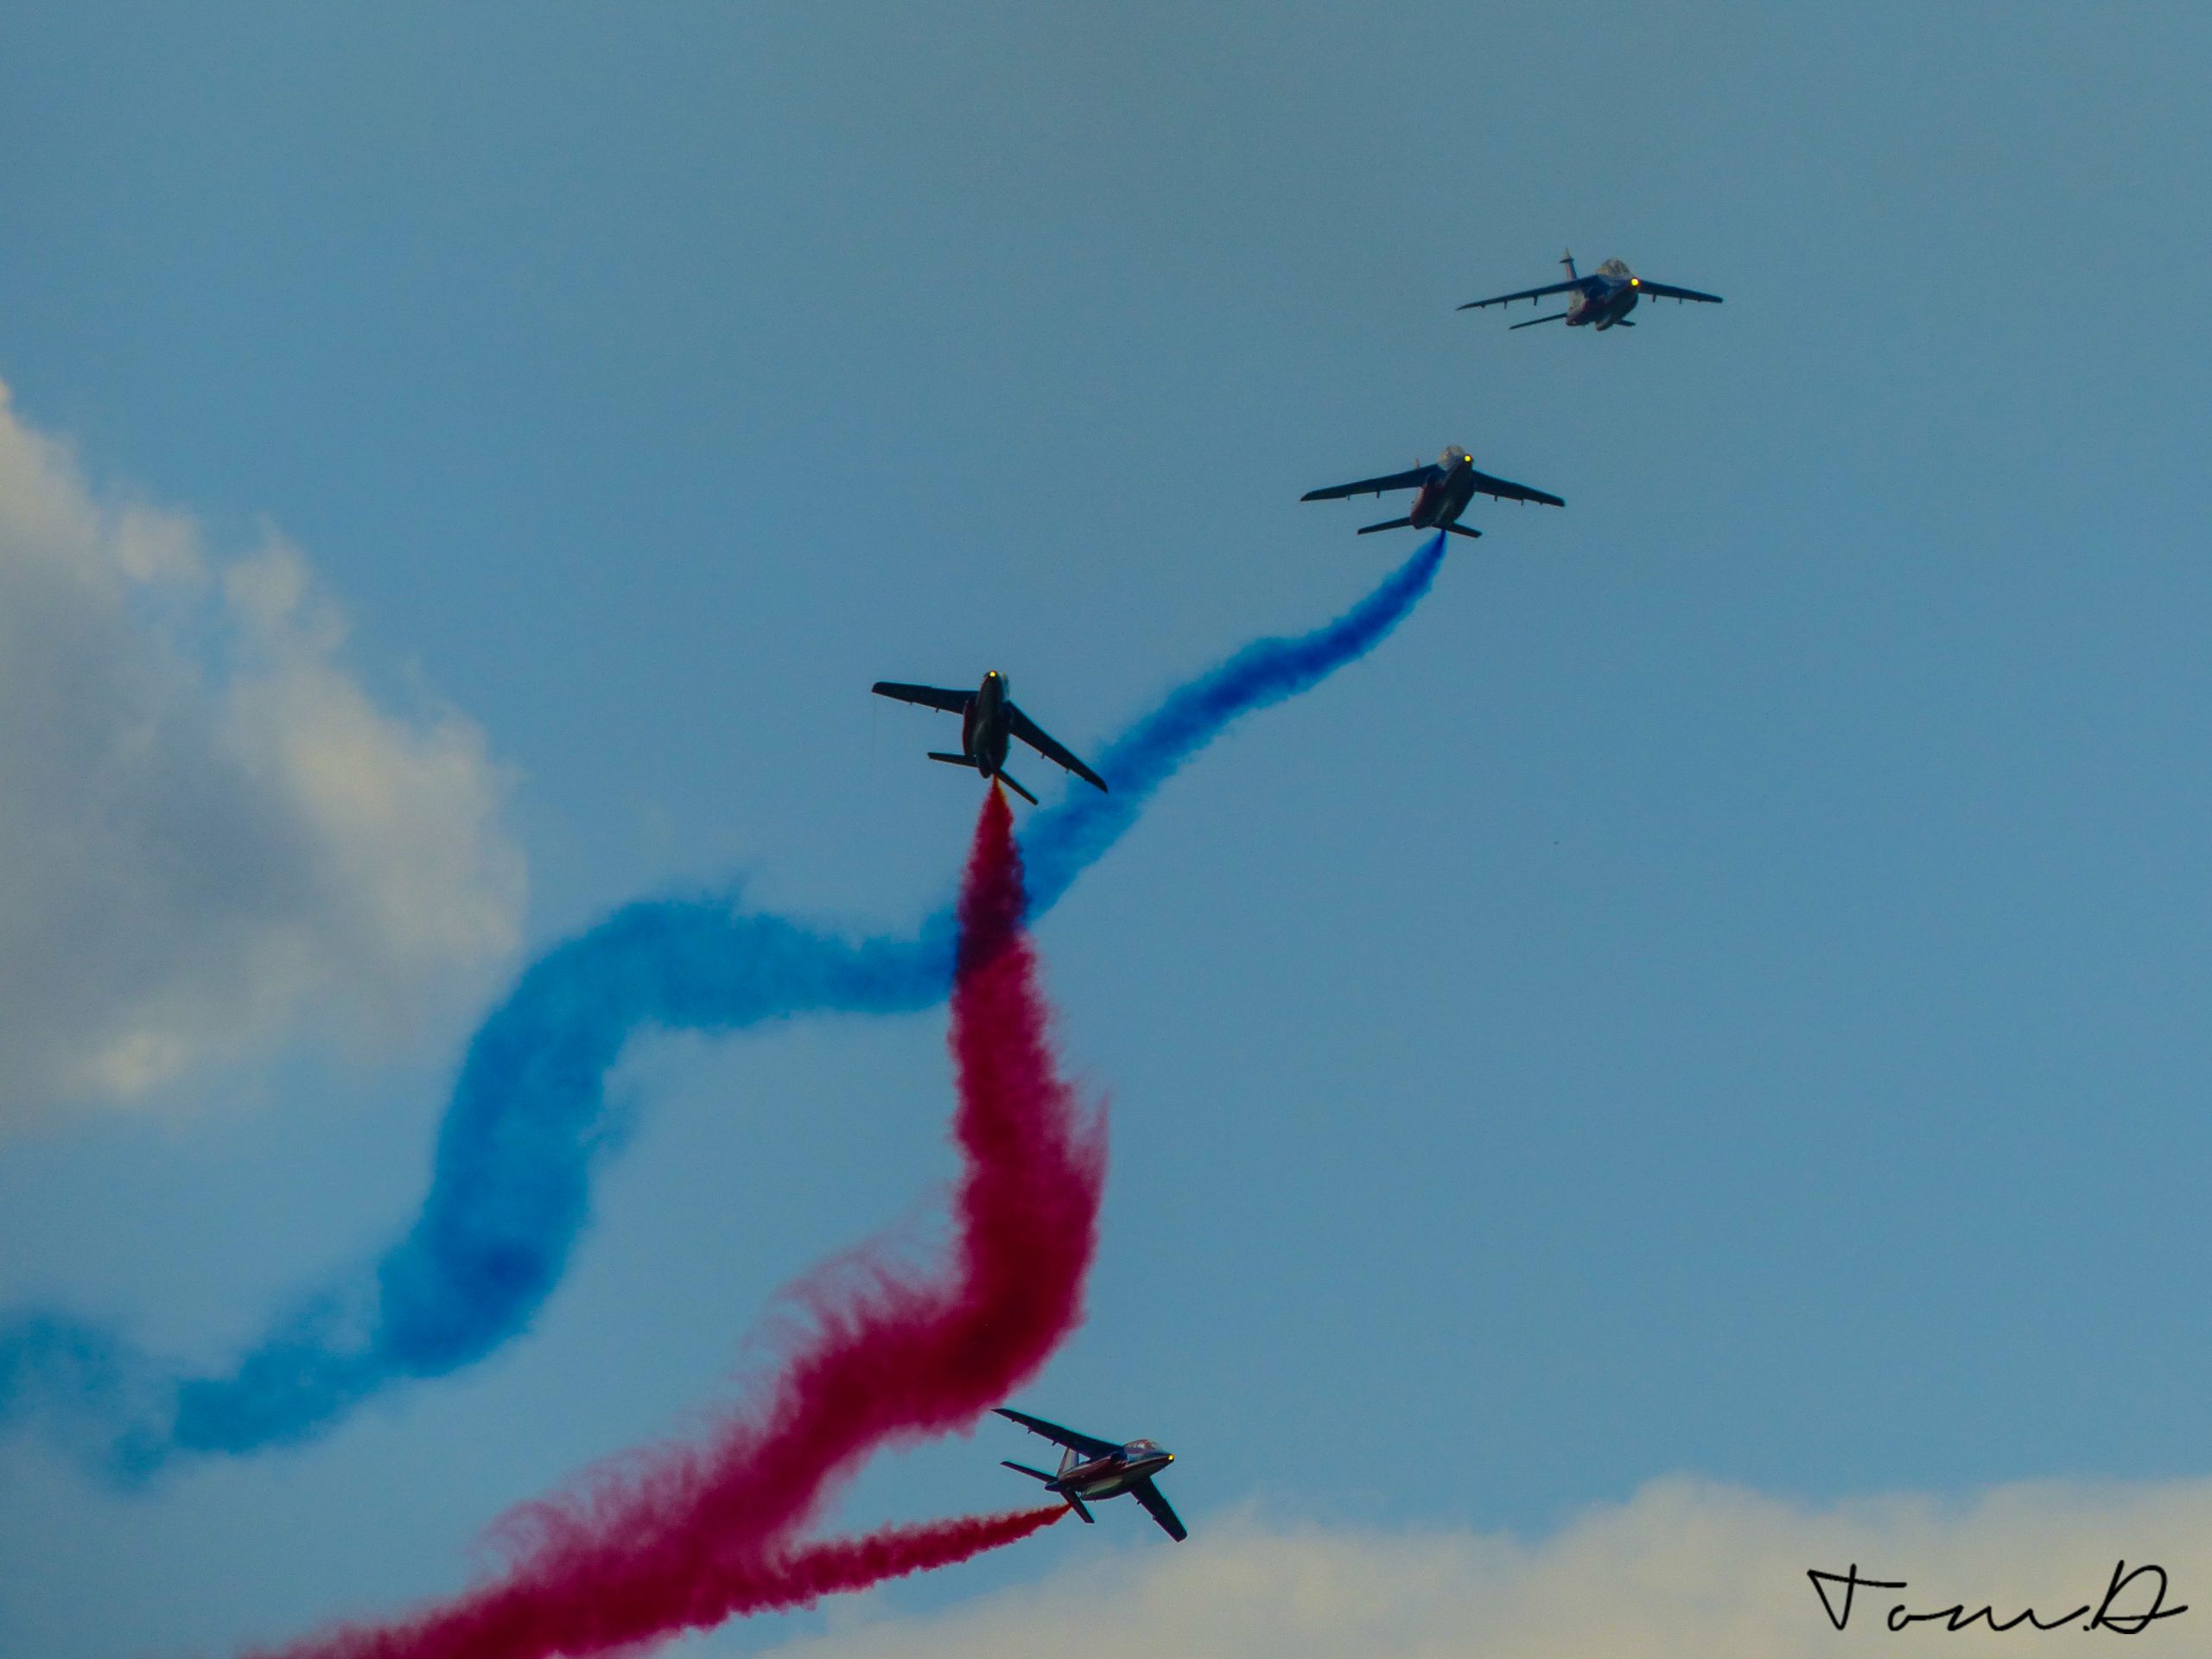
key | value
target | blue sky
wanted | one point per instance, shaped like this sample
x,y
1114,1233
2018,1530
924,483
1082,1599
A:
x,y
1717,992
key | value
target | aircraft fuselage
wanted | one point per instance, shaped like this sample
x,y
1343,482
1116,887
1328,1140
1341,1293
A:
x,y
983,726
1610,292
1113,1474
1441,501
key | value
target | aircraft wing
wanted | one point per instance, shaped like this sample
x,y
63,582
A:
x,y
1043,742
1088,1446
1148,1495
930,696
1530,294
1667,292
1505,491
1412,481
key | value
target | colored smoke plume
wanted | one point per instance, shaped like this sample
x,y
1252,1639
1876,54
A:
x,y
527,1126
1063,844
812,1570
682,1540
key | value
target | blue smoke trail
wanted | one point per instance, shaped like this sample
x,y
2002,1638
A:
x,y
527,1124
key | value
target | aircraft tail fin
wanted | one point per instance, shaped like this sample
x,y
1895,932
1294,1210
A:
x,y
1462,529
1009,780
1567,259
1387,523
1556,316
1023,1468
1081,1513
953,760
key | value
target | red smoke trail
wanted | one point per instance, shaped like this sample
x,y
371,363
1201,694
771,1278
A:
x,y
812,1570
685,1538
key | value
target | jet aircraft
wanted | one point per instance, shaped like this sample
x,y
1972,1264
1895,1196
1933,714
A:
x,y
1602,300
1445,489
1092,1468
988,718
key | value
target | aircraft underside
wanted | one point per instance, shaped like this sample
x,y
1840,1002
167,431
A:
x,y
1104,1487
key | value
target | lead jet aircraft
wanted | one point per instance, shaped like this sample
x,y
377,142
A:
x,y
1602,299
1092,1468
987,719
1445,490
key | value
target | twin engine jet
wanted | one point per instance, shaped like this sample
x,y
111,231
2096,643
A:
x,y
1444,491
1602,300
1092,1469
988,718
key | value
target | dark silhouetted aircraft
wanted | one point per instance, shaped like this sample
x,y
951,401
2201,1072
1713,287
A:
x,y
1602,299
987,719
1445,490
1094,1469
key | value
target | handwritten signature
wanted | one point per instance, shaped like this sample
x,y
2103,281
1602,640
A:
x,y
2108,1614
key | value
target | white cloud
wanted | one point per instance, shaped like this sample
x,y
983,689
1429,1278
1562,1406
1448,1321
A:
x,y
212,838
1687,1569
